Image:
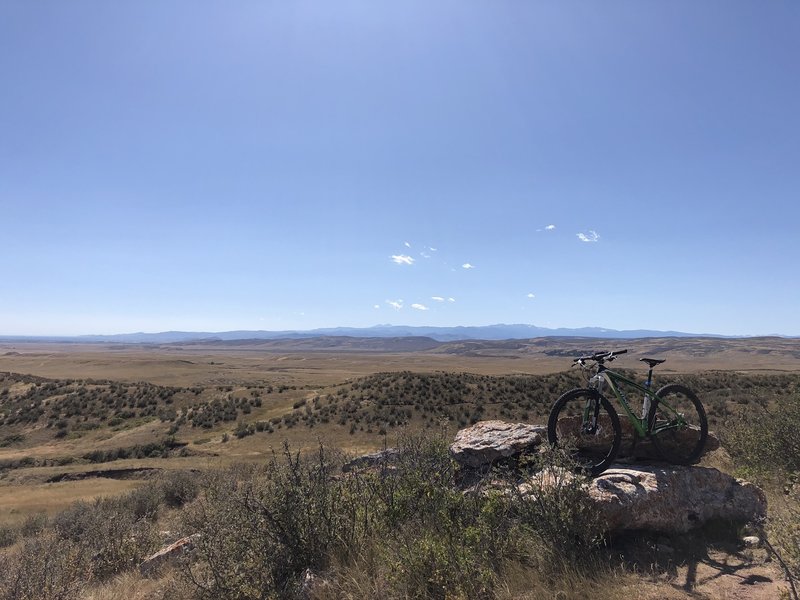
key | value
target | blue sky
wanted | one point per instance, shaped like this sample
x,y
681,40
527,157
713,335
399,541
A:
x,y
257,165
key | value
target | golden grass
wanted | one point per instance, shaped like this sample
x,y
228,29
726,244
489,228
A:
x,y
226,365
129,586
20,501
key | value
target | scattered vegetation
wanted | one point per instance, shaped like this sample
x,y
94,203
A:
x,y
404,530
764,442
375,404
69,407
89,542
385,401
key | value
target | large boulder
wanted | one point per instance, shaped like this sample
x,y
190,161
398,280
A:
x,y
644,448
489,441
673,499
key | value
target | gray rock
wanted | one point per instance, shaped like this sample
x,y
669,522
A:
x,y
673,499
488,441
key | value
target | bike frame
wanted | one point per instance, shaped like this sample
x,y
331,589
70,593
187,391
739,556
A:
x,y
612,378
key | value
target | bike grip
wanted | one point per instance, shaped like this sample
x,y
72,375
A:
x,y
620,351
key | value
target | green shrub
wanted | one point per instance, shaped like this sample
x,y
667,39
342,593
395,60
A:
x,y
45,568
8,535
766,440
765,443
407,522
179,487
115,532
33,524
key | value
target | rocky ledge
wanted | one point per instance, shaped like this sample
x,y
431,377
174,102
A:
x,y
673,499
487,442
654,497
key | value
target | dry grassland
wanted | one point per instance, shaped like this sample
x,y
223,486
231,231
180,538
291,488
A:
x,y
311,397
304,375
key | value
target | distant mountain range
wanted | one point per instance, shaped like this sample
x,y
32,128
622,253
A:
x,y
442,334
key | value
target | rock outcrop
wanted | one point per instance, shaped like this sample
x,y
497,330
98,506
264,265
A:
x,y
673,499
487,442
667,498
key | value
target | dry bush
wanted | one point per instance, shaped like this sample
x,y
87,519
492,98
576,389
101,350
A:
x,y
8,535
401,530
45,567
87,542
765,445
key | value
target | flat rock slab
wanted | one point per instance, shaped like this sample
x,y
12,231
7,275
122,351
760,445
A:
x,y
486,442
673,499
489,441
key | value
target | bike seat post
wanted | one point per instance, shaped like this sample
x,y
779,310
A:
x,y
649,381
646,402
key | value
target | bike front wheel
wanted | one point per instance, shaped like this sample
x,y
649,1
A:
x,y
585,424
678,424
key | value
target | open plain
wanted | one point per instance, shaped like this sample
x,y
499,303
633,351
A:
x,y
278,390
82,421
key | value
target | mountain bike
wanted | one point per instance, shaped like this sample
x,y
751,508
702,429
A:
x,y
584,420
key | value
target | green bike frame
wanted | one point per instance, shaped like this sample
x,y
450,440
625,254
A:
x,y
612,378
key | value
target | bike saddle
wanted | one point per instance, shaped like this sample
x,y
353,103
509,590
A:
x,y
653,361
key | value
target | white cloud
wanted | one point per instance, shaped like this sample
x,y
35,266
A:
x,y
402,259
424,255
550,228
376,306
419,306
531,295
406,244
467,266
592,236
451,299
437,298
432,249
395,304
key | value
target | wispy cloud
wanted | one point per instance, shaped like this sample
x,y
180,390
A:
x,y
402,259
419,306
592,236
432,249
406,244
424,255
451,299
550,228
376,306
437,298
395,304
467,266
531,295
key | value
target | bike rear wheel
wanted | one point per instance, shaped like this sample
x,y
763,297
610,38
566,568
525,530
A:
x,y
584,422
678,424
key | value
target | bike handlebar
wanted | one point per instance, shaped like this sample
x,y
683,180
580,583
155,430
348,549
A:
x,y
600,357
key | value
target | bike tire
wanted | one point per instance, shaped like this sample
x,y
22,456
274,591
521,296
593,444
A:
x,y
593,452
682,444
